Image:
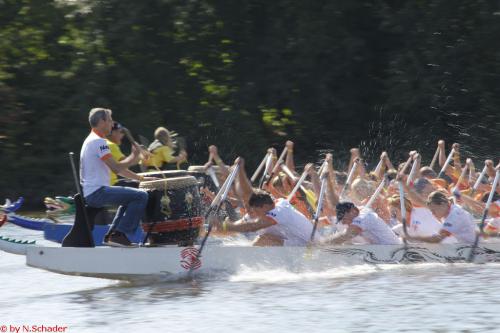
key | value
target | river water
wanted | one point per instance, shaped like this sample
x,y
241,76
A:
x,y
364,298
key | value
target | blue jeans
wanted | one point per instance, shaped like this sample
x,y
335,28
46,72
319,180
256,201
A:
x,y
132,204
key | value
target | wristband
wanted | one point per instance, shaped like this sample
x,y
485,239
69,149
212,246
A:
x,y
224,226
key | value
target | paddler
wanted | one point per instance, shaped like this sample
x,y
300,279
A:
x,y
276,221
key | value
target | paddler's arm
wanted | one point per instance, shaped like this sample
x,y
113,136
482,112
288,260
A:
x,y
351,232
121,167
241,226
414,196
313,175
476,207
354,154
456,157
289,162
490,169
431,239
224,169
130,160
442,153
387,162
242,185
331,195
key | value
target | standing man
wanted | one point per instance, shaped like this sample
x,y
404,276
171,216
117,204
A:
x,y
95,164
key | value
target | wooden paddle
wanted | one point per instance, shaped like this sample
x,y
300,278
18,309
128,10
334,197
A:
x,y
446,163
276,165
478,180
145,154
413,171
378,168
403,211
434,159
299,183
376,193
213,176
269,162
472,252
215,207
319,206
259,168
349,178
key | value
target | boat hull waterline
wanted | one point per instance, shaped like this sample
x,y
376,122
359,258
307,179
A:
x,y
172,261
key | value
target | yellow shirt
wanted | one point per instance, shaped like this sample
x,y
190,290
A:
x,y
163,154
117,156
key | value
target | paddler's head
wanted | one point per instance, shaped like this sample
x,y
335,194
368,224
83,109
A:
x,y
423,187
346,212
394,205
163,135
260,203
116,134
439,204
362,189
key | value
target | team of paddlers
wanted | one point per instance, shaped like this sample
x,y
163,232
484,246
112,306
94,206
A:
x,y
282,205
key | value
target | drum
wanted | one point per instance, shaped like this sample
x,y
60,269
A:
x,y
173,212
181,232
165,173
172,198
198,172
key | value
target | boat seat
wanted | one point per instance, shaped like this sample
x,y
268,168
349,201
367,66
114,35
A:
x,y
80,234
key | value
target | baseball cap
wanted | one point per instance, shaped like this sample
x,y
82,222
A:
x,y
116,126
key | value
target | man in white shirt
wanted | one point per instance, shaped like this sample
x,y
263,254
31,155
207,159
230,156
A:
x,y
456,221
277,223
95,164
363,223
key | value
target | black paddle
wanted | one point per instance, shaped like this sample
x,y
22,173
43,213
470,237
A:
x,y
82,200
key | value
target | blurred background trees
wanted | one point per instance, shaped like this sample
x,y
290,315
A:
x,y
245,75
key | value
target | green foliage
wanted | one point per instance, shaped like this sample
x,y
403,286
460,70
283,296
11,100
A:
x,y
244,75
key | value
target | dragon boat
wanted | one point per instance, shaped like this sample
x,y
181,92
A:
x,y
166,203
12,245
173,254
59,221
174,262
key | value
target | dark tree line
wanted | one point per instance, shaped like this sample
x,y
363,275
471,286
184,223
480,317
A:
x,y
247,74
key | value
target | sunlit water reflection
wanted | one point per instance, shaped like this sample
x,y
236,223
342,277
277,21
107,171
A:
x,y
366,298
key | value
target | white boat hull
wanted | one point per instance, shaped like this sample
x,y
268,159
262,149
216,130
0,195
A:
x,y
14,246
133,263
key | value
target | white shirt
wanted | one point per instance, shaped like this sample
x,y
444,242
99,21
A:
x,y
460,224
290,225
94,173
374,229
422,224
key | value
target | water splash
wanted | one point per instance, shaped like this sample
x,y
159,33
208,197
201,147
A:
x,y
279,275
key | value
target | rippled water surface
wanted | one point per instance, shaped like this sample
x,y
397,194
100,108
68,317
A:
x,y
406,298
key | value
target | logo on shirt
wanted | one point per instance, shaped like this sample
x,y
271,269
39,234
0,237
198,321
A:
x,y
105,147
447,224
271,214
